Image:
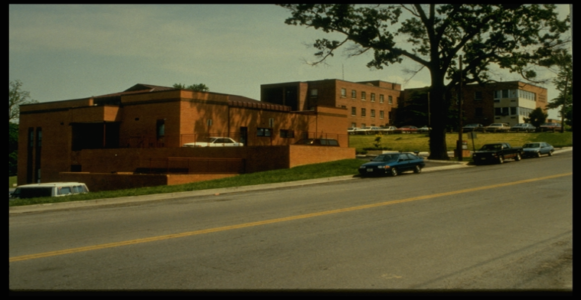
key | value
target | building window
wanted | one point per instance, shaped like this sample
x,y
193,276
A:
x,y
263,132
353,124
363,96
372,97
380,98
353,94
363,112
389,99
271,123
160,128
284,133
353,111
343,93
497,111
381,114
373,113
209,122
363,125
505,111
478,96
314,93
513,111
497,94
504,93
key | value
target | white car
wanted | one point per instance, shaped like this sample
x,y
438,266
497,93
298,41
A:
x,y
215,142
50,189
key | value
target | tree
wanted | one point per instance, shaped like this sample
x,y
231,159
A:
x,y
564,84
537,117
514,37
16,98
200,87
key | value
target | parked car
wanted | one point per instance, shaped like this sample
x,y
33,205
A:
x,y
473,127
389,129
497,127
526,127
215,142
550,127
49,189
352,130
408,129
537,149
318,142
496,152
392,163
424,129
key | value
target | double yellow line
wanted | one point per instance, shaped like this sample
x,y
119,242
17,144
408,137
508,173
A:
x,y
278,220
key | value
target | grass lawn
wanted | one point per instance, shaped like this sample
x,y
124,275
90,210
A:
x,y
420,141
397,142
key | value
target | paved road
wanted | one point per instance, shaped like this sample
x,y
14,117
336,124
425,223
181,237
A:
x,y
490,227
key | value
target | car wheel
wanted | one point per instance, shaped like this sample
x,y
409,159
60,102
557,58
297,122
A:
x,y
417,169
501,159
539,154
517,157
394,172
550,153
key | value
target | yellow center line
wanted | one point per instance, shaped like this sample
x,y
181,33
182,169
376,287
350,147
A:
x,y
278,220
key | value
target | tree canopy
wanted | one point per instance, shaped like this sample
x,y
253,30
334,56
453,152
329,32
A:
x,y
200,87
537,117
17,97
513,37
564,84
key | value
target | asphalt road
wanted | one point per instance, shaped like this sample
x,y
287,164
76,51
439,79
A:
x,y
495,227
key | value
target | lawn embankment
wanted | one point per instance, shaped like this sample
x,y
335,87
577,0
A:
x,y
322,170
420,141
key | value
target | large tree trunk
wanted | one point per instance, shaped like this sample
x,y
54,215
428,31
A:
x,y
439,107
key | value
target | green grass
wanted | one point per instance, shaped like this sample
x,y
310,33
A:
x,y
397,142
420,142
322,170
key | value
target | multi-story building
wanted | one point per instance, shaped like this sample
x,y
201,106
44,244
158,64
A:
x,y
501,102
368,103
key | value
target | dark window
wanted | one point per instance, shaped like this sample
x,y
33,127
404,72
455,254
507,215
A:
x,y
363,112
513,110
478,96
160,128
284,133
263,131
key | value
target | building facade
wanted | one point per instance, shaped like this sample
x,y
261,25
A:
x,y
368,103
144,127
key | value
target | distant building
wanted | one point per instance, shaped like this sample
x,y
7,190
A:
x,y
368,103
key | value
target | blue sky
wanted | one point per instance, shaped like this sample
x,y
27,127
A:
x,y
63,52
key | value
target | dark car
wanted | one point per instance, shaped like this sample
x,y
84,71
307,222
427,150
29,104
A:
x,y
318,142
473,127
537,149
550,127
392,163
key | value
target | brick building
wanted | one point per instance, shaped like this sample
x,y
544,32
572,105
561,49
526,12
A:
x,y
501,102
368,103
119,140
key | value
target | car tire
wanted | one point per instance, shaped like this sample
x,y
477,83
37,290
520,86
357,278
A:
x,y
550,153
394,172
517,157
417,169
501,159
539,154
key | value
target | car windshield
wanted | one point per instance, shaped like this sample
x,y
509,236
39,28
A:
x,y
208,140
533,145
491,147
386,157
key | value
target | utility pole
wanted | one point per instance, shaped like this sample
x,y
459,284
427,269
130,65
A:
x,y
459,142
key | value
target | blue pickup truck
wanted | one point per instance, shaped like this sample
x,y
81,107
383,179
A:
x,y
497,153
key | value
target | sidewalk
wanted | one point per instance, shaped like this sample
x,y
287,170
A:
x,y
446,165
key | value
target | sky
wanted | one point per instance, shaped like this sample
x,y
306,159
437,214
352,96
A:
x,y
63,52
